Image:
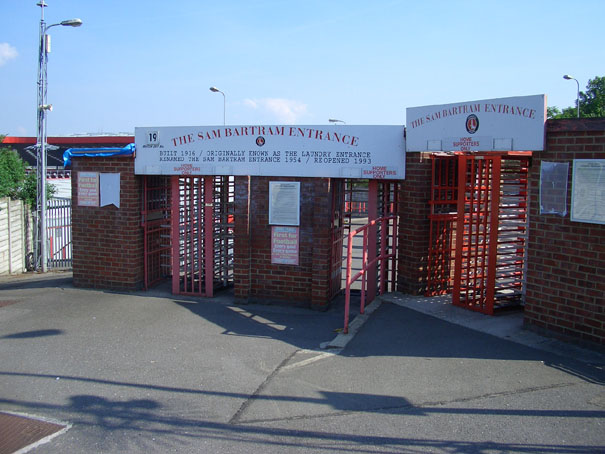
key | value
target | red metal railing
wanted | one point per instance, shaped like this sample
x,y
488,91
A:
x,y
356,207
388,228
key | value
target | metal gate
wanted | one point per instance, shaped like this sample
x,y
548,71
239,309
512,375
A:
x,y
338,227
192,242
188,231
156,229
477,232
361,204
479,229
444,205
378,239
58,232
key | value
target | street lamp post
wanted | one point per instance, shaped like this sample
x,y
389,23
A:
x,y
41,109
334,121
216,90
568,77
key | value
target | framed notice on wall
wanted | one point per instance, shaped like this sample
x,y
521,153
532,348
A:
x,y
284,203
588,191
88,189
553,188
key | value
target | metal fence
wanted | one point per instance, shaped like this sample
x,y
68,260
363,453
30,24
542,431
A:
x,y
58,228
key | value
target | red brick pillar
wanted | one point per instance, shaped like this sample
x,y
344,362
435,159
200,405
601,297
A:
x,y
241,230
317,204
414,226
255,277
108,241
565,283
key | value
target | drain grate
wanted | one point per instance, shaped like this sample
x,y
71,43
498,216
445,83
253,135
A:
x,y
17,432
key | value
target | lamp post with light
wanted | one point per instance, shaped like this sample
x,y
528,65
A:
x,y
216,90
42,108
568,77
334,121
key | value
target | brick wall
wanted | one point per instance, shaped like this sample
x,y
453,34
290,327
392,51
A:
x,y
566,260
255,277
414,226
108,241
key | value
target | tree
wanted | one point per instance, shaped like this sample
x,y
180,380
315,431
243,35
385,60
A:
x,y
12,173
592,103
14,182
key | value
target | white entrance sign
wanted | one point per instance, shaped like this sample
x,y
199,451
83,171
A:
x,y
340,151
588,191
502,124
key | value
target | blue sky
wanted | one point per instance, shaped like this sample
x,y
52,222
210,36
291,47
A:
x,y
151,63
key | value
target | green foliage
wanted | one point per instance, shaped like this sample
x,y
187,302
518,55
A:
x,y
12,173
592,102
29,192
14,182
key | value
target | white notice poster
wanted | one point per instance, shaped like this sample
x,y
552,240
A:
x,y
553,187
588,191
110,189
284,203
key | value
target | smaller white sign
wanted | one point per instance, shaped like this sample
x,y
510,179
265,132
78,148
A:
x,y
110,189
502,124
588,191
553,187
284,203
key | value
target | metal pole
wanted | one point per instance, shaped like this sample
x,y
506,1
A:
x,y
41,109
578,97
225,109
41,146
568,77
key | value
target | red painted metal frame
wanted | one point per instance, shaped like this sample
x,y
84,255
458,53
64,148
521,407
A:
x,y
368,265
337,229
477,232
370,246
192,242
442,219
512,231
479,223
156,220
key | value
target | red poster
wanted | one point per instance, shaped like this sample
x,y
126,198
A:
x,y
284,245
88,189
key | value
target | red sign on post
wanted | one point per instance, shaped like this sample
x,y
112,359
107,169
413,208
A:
x,y
284,245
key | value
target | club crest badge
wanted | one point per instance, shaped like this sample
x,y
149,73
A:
x,y
472,124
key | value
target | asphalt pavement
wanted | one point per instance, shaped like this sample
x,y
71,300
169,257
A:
x,y
153,372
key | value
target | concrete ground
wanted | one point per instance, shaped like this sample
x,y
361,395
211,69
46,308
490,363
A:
x,y
153,372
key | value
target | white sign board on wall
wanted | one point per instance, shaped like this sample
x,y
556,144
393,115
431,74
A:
x,y
502,124
340,151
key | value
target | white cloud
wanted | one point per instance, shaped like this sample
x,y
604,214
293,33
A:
x,y
250,103
7,52
286,111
